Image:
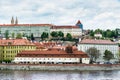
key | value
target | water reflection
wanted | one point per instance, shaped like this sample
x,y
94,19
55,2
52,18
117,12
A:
x,y
59,75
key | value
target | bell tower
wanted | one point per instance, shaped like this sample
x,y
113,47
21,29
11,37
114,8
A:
x,y
16,21
79,24
12,20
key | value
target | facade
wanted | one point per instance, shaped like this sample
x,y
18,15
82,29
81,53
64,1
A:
x,y
51,56
100,45
9,48
75,31
26,29
38,29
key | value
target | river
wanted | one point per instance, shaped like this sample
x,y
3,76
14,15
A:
x,y
59,75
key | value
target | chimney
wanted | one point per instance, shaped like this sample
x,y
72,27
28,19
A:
x,y
69,49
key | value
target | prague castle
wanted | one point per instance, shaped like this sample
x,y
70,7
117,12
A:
x,y
38,29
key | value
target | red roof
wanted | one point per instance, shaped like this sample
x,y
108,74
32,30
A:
x,y
26,25
93,41
52,53
79,22
64,27
15,42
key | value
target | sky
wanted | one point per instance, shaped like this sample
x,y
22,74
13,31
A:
x,y
93,14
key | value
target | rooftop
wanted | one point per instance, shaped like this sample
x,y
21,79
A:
x,y
93,41
15,42
50,53
64,27
25,25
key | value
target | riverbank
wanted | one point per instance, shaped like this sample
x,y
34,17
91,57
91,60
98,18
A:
x,y
60,67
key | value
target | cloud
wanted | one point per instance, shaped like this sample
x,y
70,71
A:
x,y
92,13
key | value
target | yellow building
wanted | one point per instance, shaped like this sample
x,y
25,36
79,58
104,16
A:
x,y
10,47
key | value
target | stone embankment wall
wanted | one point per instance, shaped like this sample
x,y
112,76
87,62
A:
x,y
76,67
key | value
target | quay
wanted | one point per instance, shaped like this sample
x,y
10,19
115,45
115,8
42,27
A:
x,y
60,67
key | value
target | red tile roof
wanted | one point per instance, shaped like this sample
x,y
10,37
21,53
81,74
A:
x,y
26,25
64,27
93,41
15,42
52,53
79,22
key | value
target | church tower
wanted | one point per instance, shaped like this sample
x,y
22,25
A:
x,y
79,24
12,20
16,21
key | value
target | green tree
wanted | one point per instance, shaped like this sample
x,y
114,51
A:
x,y
32,37
54,34
13,35
118,56
93,54
68,36
6,34
18,36
44,35
98,31
108,55
60,34
91,33
24,35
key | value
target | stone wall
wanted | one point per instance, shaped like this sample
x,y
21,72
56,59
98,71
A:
x,y
60,67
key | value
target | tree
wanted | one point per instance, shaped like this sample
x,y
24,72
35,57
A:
x,y
98,31
108,55
60,34
13,35
6,34
18,36
68,36
118,56
91,33
32,37
24,35
93,54
44,35
54,34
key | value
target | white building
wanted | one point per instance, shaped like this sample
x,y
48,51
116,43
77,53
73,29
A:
x,y
101,45
75,31
51,57
98,35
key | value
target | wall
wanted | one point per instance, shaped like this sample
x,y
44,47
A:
x,y
60,67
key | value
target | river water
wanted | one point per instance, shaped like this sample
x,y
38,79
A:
x,y
59,75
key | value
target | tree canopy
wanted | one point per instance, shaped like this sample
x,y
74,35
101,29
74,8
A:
x,y
6,34
44,35
108,55
18,36
69,36
93,54
54,34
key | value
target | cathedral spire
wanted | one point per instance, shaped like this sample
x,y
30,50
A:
x,y
12,20
16,22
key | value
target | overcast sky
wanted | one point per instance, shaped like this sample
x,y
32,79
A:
x,y
103,14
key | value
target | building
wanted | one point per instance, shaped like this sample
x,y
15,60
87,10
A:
x,y
10,47
98,35
25,29
79,24
100,45
52,56
74,30
37,29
